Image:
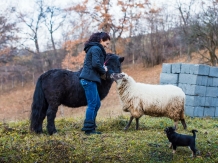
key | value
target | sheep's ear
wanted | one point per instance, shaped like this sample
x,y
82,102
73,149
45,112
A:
x,y
120,76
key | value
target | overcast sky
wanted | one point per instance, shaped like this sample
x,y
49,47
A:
x,y
28,6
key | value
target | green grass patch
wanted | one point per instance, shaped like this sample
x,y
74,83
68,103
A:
x,y
70,144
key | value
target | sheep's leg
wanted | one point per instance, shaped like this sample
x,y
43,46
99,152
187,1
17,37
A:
x,y
183,123
130,121
137,123
175,124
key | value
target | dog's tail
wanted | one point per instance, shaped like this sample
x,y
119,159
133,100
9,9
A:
x,y
193,131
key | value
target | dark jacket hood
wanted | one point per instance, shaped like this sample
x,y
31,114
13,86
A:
x,y
90,44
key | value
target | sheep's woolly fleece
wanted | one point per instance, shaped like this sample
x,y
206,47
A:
x,y
153,100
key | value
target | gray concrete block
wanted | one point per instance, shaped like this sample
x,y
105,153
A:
x,y
196,90
215,82
199,111
194,100
213,71
193,79
199,69
166,68
183,87
210,81
168,84
185,68
189,110
216,112
169,78
176,68
212,92
211,101
209,111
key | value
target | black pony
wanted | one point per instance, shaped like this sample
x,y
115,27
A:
x,y
60,86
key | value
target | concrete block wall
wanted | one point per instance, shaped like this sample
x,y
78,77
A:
x,y
199,83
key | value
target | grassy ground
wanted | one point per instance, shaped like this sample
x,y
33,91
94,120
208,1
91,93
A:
x,y
149,144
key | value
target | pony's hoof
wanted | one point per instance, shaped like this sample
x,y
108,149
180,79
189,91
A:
x,y
36,131
52,132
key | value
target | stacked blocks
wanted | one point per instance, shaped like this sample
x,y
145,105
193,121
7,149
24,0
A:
x,y
199,83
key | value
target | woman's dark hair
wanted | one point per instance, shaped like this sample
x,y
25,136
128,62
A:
x,y
96,37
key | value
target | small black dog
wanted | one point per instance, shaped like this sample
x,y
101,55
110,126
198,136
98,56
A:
x,y
181,140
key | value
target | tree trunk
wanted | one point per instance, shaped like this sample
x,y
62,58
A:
x,y
133,58
1,85
189,53
36,45
113,45
53,44
213,58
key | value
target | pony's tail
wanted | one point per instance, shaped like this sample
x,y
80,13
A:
x,y
193,131
37,106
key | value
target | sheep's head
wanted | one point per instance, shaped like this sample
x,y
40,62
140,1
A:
x,y
119,76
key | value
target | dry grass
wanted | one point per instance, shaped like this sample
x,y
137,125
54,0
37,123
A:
x,y
71,145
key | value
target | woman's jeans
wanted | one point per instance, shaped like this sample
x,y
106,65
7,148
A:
x,y
93,104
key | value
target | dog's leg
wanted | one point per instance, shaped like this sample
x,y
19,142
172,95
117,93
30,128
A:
x,y
130,121
170,145
193,151
137,123
174,148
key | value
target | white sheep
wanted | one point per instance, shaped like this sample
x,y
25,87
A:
x,y
146,99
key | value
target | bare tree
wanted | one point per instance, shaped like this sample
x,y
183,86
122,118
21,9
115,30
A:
x,y
33,23
133,11
204,31
185,18
7,32
54,18
8,29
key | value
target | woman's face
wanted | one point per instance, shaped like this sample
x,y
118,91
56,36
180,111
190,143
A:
x,y
105,44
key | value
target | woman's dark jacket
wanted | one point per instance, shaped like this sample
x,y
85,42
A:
x,y
93,63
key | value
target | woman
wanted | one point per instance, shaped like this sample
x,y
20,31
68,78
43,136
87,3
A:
x,y
90,76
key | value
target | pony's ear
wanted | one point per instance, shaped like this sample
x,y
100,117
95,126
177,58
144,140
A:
x,y
121,59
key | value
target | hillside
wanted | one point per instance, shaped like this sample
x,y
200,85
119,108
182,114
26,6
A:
x,y
16,104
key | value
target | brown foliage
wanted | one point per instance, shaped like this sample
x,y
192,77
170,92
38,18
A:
x,y
5,51
74,58
73,62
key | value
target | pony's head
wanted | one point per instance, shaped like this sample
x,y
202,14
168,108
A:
x,y
113,63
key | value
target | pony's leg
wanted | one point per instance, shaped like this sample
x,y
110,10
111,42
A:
x,y
51,114
38,128
130,121
137,123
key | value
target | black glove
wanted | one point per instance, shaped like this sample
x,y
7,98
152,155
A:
x,y
103,76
